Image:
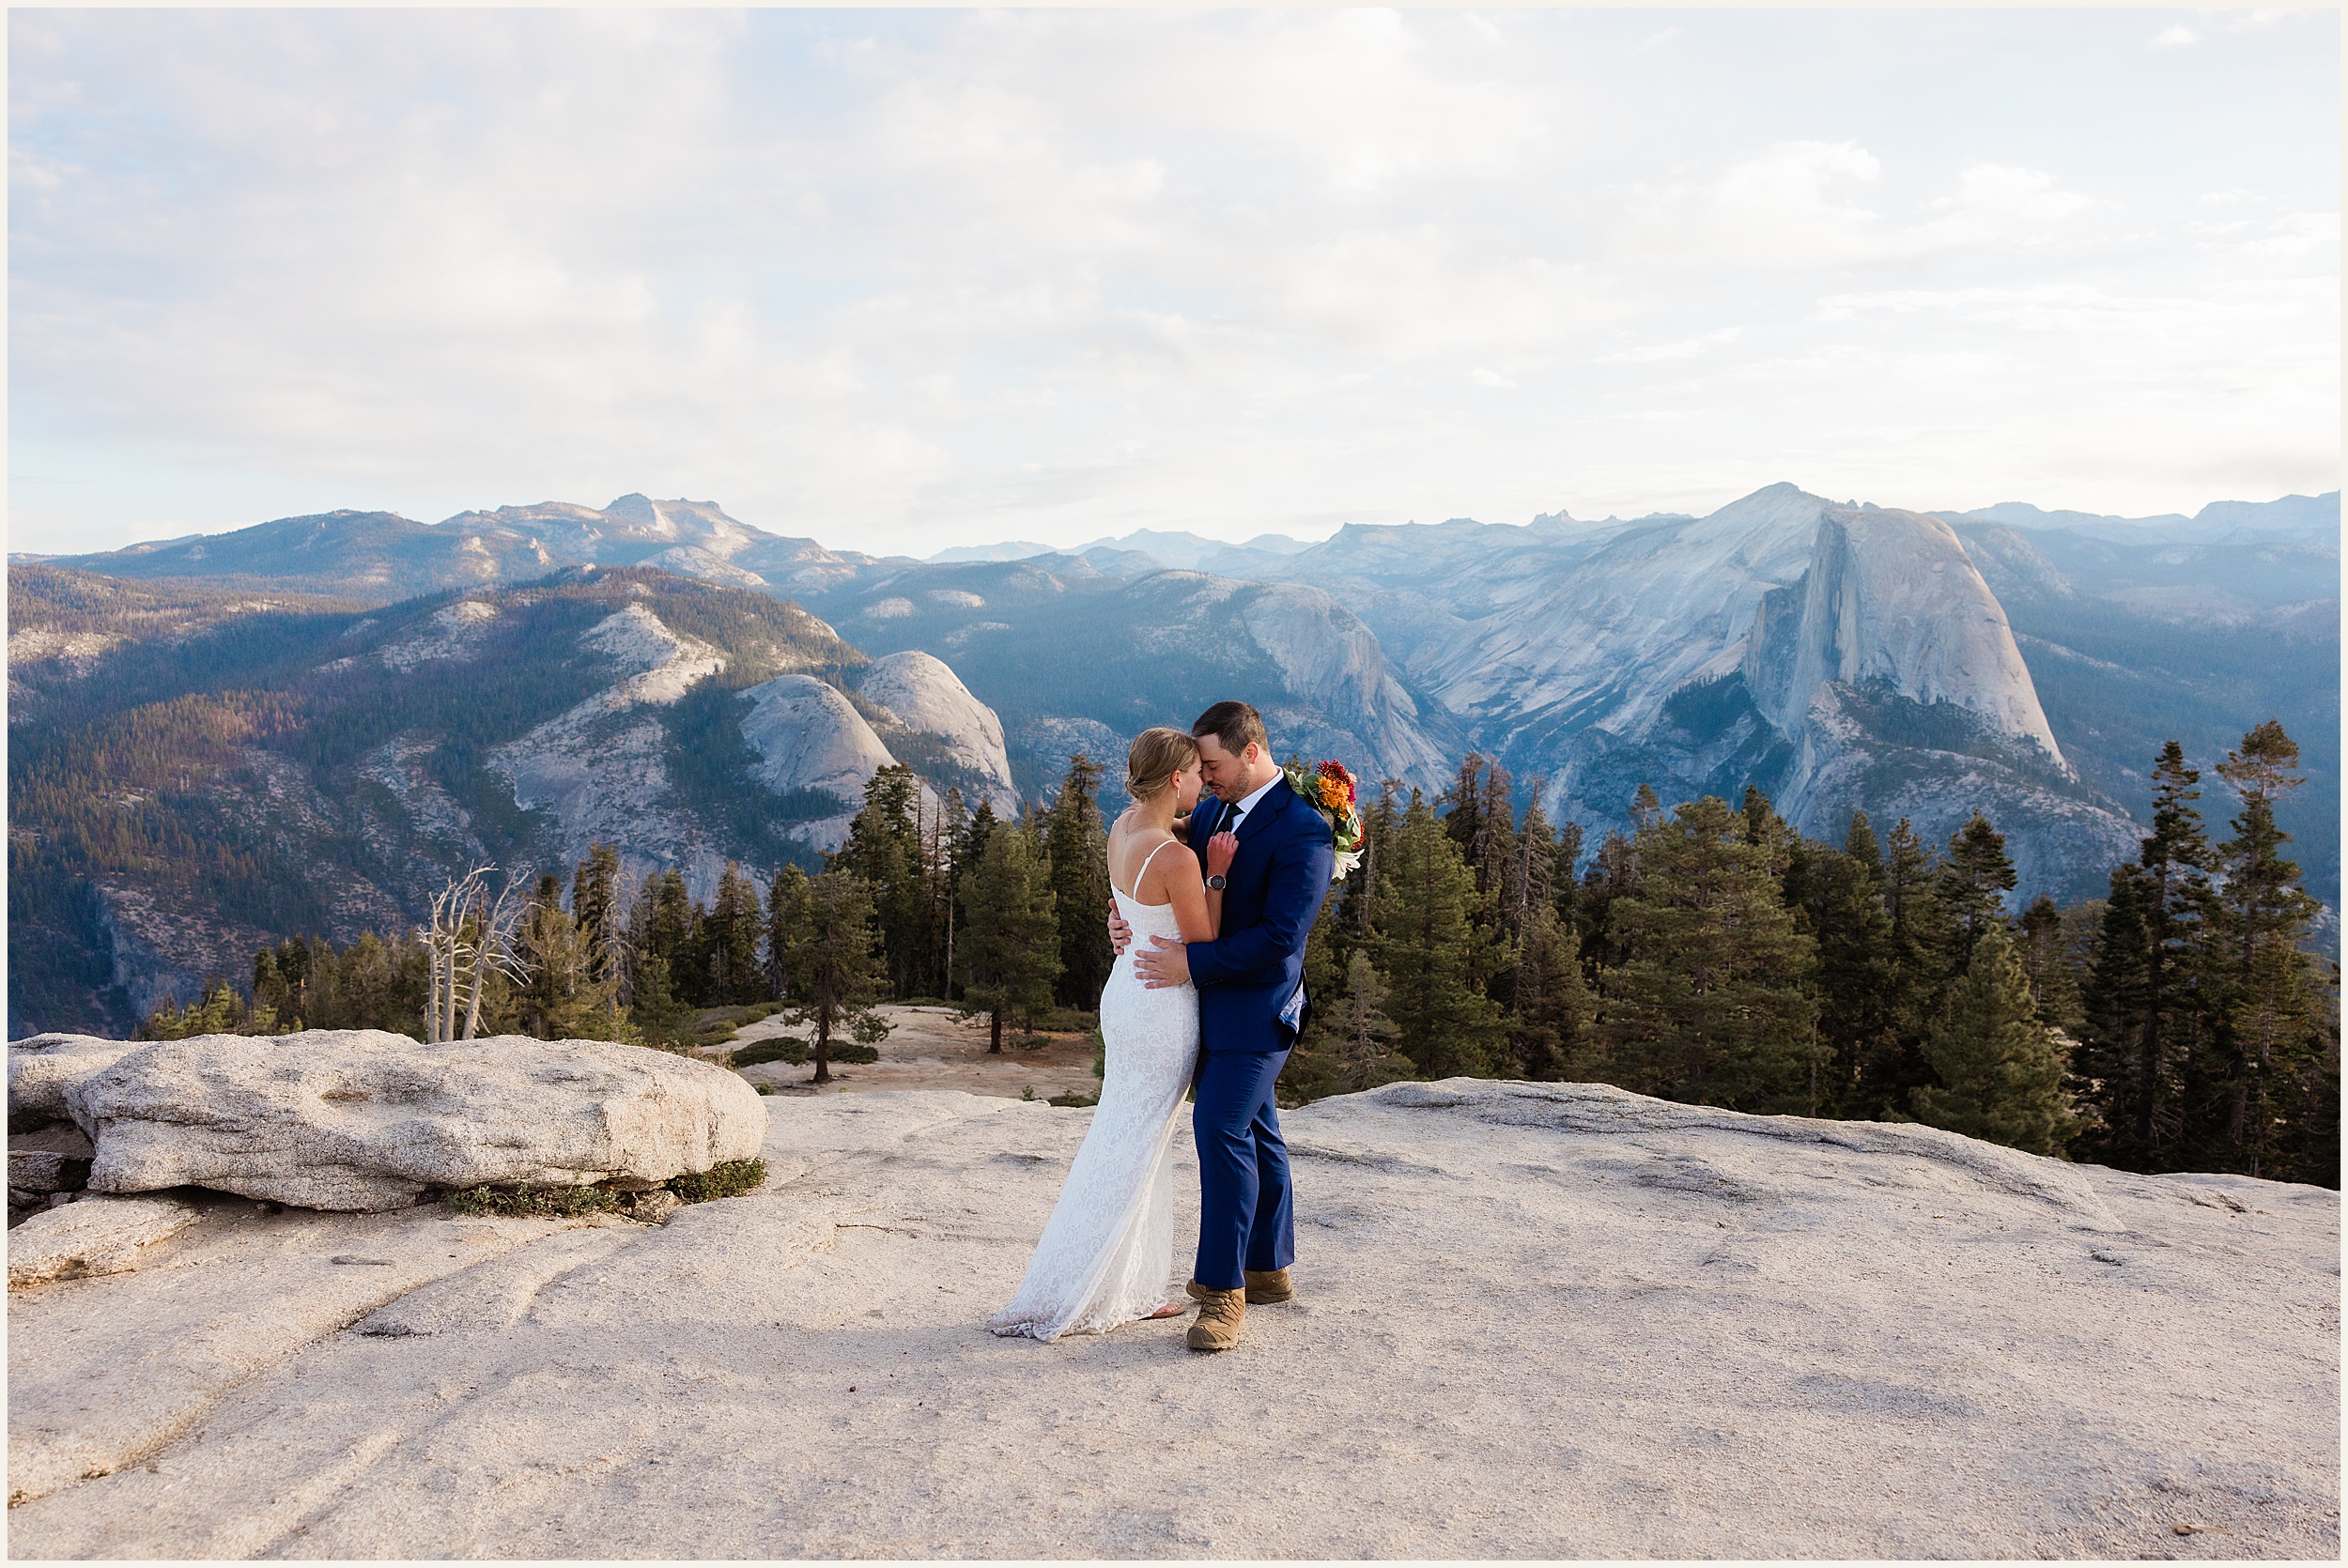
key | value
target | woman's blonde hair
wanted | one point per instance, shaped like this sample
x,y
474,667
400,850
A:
x,y
1157,756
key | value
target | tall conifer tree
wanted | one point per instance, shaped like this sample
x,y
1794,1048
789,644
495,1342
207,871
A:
x,y
1551,1033
1710,1007
884,848
2275,1028
838,975
2000,1070
1010,945
1972,883
1434,954
1077,841
1833,894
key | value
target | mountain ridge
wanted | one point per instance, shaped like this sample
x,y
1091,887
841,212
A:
x,y
1837,656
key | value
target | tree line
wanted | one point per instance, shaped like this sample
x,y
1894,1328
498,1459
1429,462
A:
x,y
1711,954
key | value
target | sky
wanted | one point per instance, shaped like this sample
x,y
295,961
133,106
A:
x,y
905,280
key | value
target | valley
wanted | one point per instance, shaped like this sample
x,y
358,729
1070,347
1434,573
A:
x,y
310,724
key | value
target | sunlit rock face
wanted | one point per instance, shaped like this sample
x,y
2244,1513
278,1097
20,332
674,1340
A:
x,y
1840,658
1890,599
949,736
809,737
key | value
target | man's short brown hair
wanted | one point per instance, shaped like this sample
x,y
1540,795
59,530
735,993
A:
x,y
1233,724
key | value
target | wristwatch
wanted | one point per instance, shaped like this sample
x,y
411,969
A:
x,y
1218,882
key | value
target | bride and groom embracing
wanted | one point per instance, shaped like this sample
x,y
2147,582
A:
x,y
1215,899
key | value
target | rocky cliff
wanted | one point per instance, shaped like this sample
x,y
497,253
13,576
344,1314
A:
x,y
933,723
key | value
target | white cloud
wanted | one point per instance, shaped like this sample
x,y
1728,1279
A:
x,y
881,277
2175,36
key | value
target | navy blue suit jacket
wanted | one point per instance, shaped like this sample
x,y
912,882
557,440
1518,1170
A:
x,y
1251,978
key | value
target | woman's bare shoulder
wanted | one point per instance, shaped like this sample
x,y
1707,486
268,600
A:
x,y
1171,852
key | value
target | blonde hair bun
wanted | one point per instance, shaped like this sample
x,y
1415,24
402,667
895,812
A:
x,y
1157,756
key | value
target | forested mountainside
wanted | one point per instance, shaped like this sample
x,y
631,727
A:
x,y
191,774
1838,656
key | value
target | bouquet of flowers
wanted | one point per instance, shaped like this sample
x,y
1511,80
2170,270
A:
x,y
1329,790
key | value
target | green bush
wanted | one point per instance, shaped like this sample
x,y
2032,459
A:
x,y
730,1180
798,1053
781,1050
1075,1101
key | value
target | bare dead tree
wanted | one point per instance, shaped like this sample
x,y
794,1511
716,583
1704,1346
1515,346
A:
x,y
471,934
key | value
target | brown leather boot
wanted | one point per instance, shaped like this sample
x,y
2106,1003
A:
x,y
1268,1289
1263,1289
1221,1315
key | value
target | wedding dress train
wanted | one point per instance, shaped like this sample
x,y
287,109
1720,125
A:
x,y
1108,1253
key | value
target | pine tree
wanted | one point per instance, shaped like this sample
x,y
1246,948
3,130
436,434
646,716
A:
x,y
272,997
1568,873
1859,842
1482,822
2177,908
1549,1029
939,873
662,929
2001,1070
1434,954
1925,943
1835,897
782,894
1710,1005
968,846
1010,947
658,1012
221,1011
884,849
2120,1090
732,932
562,999
2043,945
838,975
1364,1030
2275,1024
1077,842
1379,823
1972,884
596,908
1613,873
1765,831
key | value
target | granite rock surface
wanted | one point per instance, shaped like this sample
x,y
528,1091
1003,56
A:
x,y
363,1120
1533,1320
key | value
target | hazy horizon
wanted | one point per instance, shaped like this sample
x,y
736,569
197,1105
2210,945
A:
x,y
900,281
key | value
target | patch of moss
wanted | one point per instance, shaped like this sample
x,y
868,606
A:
x,y
729,1179
536,1203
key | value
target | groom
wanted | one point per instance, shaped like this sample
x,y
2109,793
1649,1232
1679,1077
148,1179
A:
x,y
1251,1007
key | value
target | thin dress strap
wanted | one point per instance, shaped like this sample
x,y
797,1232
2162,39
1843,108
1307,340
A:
x,y
1136,894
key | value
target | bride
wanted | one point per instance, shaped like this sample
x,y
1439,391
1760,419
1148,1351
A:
x,y
1108,1253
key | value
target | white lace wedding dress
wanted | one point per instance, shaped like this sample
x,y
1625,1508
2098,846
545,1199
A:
x,y
1108,1253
